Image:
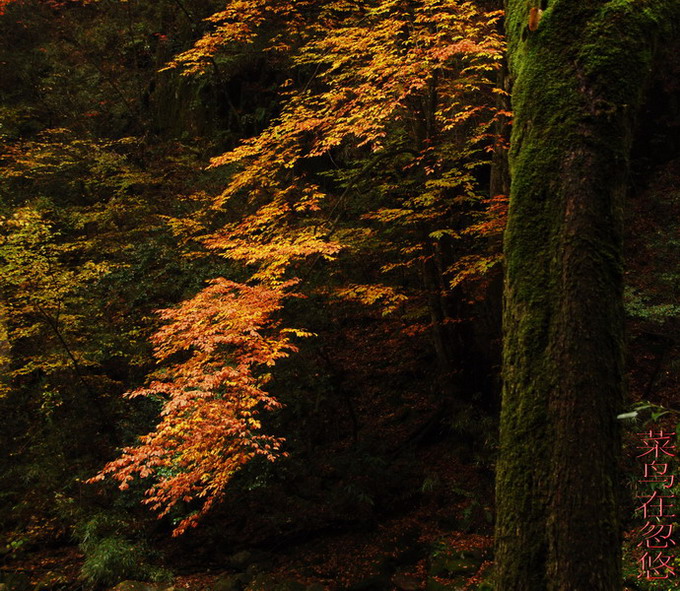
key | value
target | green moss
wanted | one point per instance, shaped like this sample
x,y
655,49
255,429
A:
x,y
578,81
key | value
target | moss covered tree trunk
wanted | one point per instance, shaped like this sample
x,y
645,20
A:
x,y
578,80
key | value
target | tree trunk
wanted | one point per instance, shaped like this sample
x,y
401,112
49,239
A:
x,y
579,79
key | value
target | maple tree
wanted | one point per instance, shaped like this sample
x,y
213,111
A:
x,y
209,425
396,84
391,86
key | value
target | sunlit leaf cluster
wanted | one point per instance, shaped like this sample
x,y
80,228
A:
x,y
384,122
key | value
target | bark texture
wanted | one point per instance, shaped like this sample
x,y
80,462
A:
x,y
578,81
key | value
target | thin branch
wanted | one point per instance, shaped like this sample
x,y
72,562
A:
x,y
74,362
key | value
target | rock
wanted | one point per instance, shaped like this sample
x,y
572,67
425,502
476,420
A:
x,y
259,568
233,582
241,560
50,582
374,583
142,586
15,581
446,562
450,522
264,582
405,582
412,553
251,561
440,584
487,582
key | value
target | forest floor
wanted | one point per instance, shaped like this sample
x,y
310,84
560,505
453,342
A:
x,y
344,561
443,538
